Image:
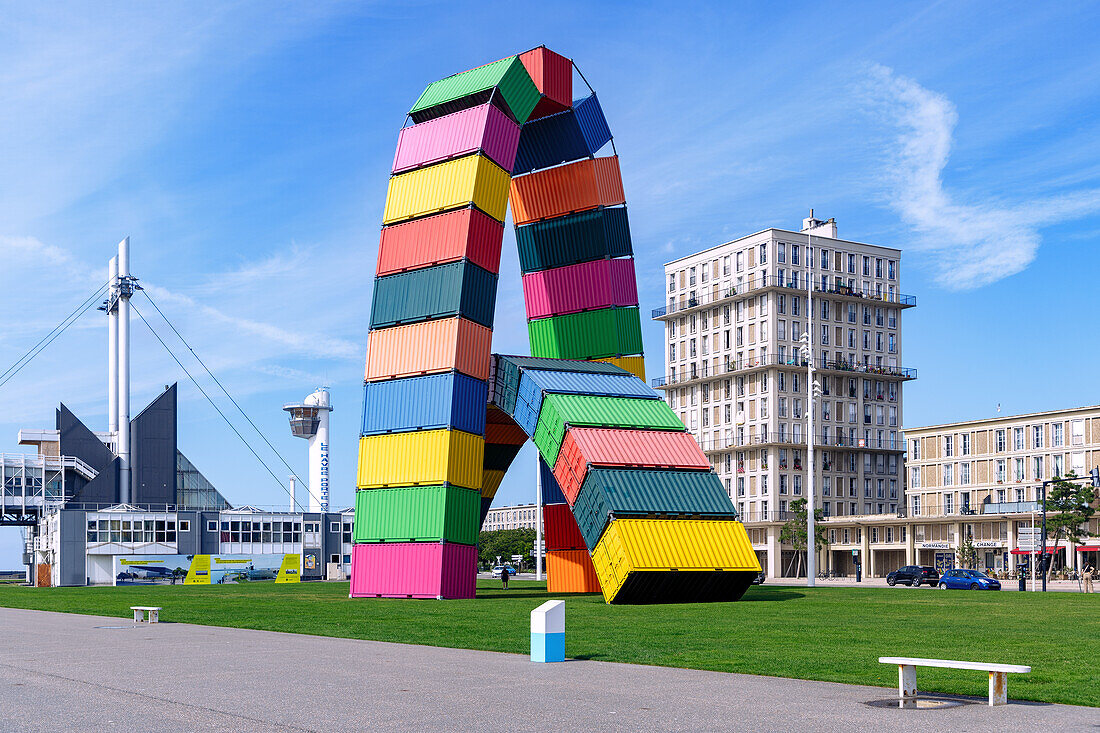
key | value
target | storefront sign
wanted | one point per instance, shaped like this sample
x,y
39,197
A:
x,y
934,546
989,543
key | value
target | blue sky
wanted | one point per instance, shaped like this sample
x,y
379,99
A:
x,y
245,148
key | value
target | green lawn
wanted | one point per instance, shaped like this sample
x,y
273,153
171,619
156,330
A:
x,y
834,634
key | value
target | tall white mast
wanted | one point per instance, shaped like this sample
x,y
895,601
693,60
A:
x,y
112,349
811,545
125,290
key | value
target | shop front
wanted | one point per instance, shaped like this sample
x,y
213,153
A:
x,y
992,556
940,555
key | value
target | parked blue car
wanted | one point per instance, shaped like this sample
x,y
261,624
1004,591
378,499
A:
x,y
960,578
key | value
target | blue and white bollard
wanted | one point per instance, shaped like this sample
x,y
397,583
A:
x,y
548,632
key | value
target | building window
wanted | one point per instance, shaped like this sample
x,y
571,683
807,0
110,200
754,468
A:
x,y
1057,435
1000,441
185,525
334,527
212,526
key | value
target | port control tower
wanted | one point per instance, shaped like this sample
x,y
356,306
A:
x,y
309,420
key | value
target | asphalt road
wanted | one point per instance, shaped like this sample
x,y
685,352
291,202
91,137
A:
x,y
89,673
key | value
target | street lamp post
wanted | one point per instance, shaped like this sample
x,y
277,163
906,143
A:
x,y
811,394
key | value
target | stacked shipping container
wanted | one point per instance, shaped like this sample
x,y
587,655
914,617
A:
x,y
624,485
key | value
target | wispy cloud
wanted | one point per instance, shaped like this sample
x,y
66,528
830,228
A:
x,y
974,242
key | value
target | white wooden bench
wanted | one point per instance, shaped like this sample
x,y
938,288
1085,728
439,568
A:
x,y
907,676
139,614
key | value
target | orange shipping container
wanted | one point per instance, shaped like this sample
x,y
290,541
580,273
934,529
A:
x,y
504,434
579,186
571,571
584,447
427,348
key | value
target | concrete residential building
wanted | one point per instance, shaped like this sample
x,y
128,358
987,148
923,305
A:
x,y
982,478
734,375
521,516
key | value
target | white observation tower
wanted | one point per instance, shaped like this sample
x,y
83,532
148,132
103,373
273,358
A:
x,y
309,420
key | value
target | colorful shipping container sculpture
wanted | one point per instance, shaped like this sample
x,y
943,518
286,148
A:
x,y
633,508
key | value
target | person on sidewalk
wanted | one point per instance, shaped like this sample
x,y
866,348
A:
x,y
504,576
1088,578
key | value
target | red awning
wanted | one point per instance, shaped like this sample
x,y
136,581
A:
x,y
1050,551
1089,548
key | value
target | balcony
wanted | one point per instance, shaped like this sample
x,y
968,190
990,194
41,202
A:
x,y
743,366
820,443
772,282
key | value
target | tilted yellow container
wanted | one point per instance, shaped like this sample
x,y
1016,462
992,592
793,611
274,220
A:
x,y
490,482
450,185
421,458
674,560
633,364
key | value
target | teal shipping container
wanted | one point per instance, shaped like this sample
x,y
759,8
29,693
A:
x,y
453,289
608,492
568,240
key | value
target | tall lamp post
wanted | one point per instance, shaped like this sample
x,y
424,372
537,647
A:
x,y
811,395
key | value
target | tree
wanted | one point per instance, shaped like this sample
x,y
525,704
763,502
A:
x,y
1069,507
505,543
794,531
968,555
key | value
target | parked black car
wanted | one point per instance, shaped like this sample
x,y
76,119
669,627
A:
x,y
759,579
913,575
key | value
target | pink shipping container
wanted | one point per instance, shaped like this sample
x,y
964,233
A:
x,y
413,570
483,128
441,238
587,286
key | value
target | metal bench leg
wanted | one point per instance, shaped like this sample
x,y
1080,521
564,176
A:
x,y
154,616
907,686
139,616
998,688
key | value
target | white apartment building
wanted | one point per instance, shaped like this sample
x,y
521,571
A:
x,y
736,377
521,516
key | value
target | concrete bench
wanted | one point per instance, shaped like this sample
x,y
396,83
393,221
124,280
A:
x,y
907,676
139,614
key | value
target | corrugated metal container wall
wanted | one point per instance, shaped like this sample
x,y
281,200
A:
x,y
567,136
505,385
559,410
570,571
633,364
490,482
553,76
551,492
561,532
559,365
417,514
536,381
422,458
431,346
483,129
505,434
578,186
413,570
632,545
435,401
526,413
517,92
567,240
574,288
456,288
451,185
619,492
585,447
433,240
596,334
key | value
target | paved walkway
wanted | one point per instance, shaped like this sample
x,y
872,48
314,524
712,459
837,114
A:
x,y
89,673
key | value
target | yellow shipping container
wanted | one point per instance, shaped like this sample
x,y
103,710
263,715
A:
x,y
449,185
633,364
490,482
647,545
422,458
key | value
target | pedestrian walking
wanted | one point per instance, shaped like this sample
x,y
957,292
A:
x,y
504,576
1088,578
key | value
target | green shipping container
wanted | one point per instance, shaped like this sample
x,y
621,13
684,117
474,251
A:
x,y
417,514
471,88
454,289
559,410
568,240
651,493
506,385
595,334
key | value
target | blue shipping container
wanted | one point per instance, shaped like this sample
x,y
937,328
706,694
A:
x,y
567,136
419,403
614,385
551,491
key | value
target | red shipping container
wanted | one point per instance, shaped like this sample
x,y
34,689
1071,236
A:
x,y
505,434
586,184
571,571
561,531
413,570
584,447
484,128
574,288
434,240
553,76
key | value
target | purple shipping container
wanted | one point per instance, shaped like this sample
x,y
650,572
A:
x,y
483,128
413,570
587,286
